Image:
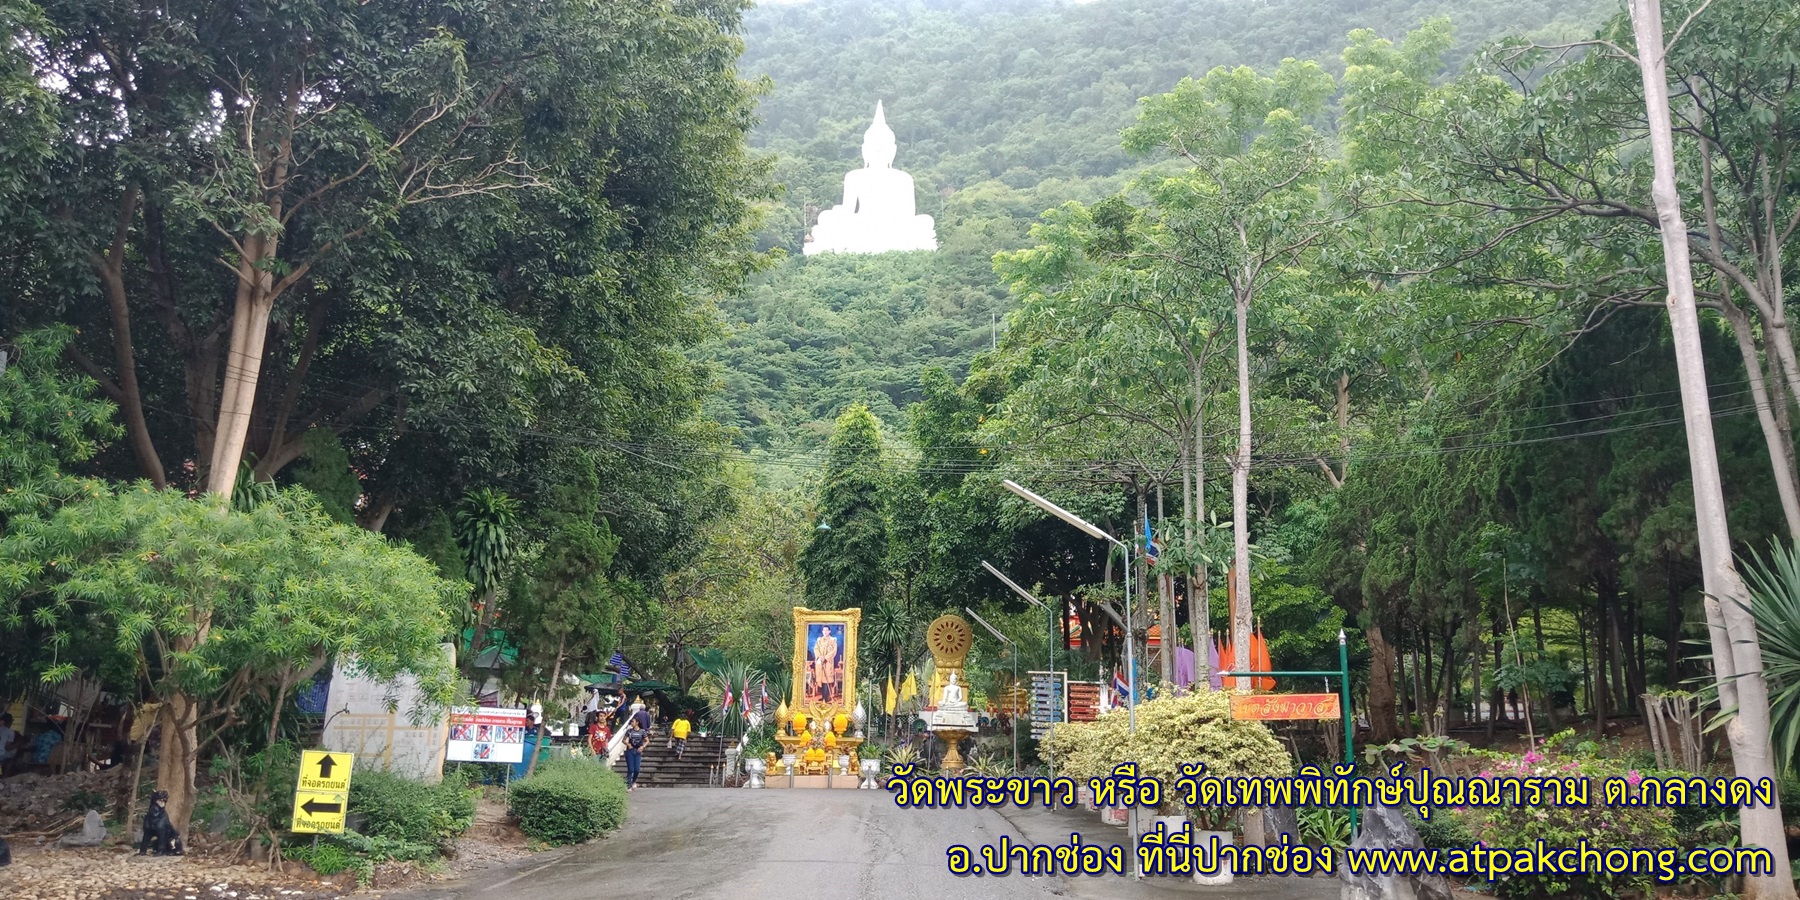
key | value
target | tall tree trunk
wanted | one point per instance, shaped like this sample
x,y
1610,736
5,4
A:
x,y
1403,700
1447,698
562,643
1602,663
1165,613
1382,716
1428,687
1776,437
1737,653
1672,615
111,269
1200,578
177,763
1240,503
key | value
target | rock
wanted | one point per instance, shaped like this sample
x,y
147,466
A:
x,y
93,831
1280,820
1384,826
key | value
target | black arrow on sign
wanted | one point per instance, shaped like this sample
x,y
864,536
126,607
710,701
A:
x,y
325,765
314,807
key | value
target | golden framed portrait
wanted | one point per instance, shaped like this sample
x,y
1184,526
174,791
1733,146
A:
x,y
825,658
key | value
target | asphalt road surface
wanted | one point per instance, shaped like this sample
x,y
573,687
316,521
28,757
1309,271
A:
x,y
741,844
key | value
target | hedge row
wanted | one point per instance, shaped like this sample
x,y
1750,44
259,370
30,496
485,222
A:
x,y
567,801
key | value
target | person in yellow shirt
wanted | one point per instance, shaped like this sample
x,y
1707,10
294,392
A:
x,y
678,734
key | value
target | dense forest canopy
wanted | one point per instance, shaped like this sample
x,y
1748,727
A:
x,y
1002,110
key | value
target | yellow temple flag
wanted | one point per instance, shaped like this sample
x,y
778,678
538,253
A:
x,y
909,688
890,696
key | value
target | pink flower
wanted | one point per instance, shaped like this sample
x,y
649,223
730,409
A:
x,y
1633,778
1533,756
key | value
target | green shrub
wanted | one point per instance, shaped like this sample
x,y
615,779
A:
x,y
1171,732
326,858
360,854
1444,829
568,801
1566,826
405,810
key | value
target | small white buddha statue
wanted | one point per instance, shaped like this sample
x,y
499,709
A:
x,y
953,696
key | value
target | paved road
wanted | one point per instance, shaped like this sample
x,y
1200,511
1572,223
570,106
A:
x,y
738,844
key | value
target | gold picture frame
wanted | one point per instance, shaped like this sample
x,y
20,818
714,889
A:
x,y
832,687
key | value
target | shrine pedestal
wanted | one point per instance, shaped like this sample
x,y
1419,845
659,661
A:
x,y
833,782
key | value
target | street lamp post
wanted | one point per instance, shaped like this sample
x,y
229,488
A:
x,y
1015,667
1034,601
1094,531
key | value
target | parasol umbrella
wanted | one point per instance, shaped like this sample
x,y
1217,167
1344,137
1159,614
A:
x,y
891,697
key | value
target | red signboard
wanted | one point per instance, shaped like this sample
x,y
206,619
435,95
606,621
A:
x,y
1268,707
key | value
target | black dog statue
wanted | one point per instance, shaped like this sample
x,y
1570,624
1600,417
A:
x,y
160,836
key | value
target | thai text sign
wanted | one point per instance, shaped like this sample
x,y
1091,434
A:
x,y
322,792
487,734
1269,707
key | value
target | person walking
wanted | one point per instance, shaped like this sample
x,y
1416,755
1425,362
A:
x,y
678,734
635,739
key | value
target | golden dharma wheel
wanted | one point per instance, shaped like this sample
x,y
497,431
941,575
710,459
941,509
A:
x,y
949,638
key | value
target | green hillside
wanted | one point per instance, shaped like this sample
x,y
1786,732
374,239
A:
x,y
1002,110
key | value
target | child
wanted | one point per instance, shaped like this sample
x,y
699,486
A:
x,y
678,734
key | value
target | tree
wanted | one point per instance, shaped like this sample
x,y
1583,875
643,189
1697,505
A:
x,y
486,524
845,563
1244,214
443,228
48,423
281,590
566,602
1737,654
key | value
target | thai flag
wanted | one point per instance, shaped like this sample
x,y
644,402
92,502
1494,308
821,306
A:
x,y
1121,688
725,705
744,698
1152,549
618,662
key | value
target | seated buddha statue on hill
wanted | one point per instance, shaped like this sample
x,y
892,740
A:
x,y
878,213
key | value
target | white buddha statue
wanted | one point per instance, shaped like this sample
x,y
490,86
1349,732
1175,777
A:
x,y
952,709
878,213
953,696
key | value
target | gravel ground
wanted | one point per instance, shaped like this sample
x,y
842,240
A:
x,y
118,874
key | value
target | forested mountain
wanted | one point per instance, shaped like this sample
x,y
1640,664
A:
x,y
1002,110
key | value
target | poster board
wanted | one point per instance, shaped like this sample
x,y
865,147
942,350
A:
x,y
824,663
487,734
1049,701
389,725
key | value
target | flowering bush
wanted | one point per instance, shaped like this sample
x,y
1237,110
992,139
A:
x,y
1171,731
1600,825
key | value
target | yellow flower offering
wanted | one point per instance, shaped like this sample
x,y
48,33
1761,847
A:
x,y
840,722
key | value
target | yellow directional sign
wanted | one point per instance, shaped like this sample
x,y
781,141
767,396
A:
x,y
319,812
322,793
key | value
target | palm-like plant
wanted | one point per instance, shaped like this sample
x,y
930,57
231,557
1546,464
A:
x,y
1775,604
485,523
889,627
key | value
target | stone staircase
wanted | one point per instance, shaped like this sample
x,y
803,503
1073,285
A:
x,y
662,769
